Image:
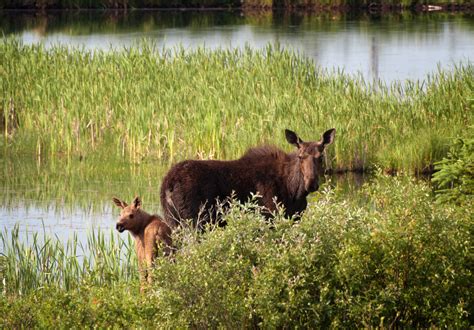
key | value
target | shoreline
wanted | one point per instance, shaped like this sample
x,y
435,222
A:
x,y
371,8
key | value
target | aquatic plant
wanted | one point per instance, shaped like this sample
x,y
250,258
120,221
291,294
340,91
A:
x,y
146,103
35,260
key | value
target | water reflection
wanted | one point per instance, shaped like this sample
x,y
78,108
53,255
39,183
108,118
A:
x,y
388,47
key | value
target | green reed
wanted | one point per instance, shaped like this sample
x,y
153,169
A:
x,y
147,103
40,260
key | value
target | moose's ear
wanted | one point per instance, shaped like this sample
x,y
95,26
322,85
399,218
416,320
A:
x,y
292,138
137,202
328,136
119,203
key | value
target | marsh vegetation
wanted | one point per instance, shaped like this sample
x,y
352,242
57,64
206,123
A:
x,y
147,103
77,124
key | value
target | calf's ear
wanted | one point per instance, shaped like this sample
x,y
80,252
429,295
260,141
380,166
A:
x,y
292,138
119,203
328,137
137,202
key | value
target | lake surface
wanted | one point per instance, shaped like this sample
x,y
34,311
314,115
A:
x,y
63,199
387,47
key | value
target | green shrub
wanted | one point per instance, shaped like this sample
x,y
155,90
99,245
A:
x,y
118,306
391,258
399,260
454,178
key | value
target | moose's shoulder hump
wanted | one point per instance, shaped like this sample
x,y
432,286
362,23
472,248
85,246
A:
x,y
264,151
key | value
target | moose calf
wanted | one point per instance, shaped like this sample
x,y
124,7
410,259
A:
x,y
147,230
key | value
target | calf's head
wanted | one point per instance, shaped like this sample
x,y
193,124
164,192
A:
x,y
310,157
131,216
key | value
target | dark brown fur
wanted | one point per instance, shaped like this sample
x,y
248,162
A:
x,y
149,231
191,188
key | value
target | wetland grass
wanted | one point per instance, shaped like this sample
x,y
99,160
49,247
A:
x,y
145,104
43,260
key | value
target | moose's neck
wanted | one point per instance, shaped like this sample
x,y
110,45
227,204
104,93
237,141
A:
x,y
143,221
295,182
147,218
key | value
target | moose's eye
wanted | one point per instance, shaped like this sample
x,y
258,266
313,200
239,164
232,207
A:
x,y
131,216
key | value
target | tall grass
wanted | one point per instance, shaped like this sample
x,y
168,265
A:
x,y
146,103
41,260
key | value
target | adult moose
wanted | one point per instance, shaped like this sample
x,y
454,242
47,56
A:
x,y
191,188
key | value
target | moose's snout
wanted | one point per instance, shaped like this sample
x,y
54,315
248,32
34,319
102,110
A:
x,y
120,227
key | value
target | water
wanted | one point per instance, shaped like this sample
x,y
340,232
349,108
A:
x,y
76,198
388,47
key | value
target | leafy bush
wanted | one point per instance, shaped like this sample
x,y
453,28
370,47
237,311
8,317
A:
x,y
391,258
399,260
90,306
454,178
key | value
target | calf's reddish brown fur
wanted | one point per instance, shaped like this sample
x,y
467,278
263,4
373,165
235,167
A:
x,y
149,231
190,189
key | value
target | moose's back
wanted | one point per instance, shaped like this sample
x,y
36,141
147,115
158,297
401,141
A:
x,y
195,185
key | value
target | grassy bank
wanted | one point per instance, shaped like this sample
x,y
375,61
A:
x,y
261,4
143,104
392,257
